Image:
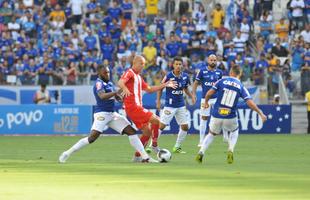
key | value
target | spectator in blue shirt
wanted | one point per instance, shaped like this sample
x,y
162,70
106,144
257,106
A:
x,y
127,9
107,50
141,23
297,56
173,47
90,40
265,28
115,11
262,62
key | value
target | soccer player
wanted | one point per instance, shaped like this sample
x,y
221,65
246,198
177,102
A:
x,y
104,115
174,103
224,112
132,85
207,78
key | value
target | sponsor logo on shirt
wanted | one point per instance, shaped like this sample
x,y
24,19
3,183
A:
x,y
98,85
177,92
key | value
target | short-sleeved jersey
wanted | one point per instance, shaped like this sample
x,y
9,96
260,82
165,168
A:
x,y
174,97
103,105
208,78
135,84
228,92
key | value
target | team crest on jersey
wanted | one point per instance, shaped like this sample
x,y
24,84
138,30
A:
x,y
98,85
100,118
167,112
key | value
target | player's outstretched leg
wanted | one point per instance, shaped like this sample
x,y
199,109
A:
x,y
225,136
181,137
137,145
232,141
206,143
202,129
80,144
155,135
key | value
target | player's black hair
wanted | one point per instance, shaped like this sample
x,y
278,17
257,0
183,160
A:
x,y
177,59
101,67
236,70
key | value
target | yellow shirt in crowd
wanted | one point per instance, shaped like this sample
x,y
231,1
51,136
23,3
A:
x,y
282,30
57,16
151,7
218,16
150,54
308,100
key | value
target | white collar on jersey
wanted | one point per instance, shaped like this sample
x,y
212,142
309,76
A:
x,y
234,78
177,76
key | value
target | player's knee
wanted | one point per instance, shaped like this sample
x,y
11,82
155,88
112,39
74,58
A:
x,y
155,120
213,133
204,118
129,131
93,136
162,126
184,127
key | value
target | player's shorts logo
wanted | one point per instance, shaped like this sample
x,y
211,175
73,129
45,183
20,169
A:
x,y
224,111
100,118
167,112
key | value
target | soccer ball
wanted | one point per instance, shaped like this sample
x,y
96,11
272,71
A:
x,y
164,155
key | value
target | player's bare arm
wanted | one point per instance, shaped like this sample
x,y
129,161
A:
x,y
171,84
125,92
254,107
104,95
208,96
189,94
195,85
159,93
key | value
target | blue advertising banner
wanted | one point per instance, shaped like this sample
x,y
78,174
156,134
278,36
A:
x,y
64,119
45,119
279,120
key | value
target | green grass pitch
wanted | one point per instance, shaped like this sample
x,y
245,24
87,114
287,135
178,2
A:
x,y
266,167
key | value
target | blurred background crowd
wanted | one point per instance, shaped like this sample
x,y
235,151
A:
x,y
62,42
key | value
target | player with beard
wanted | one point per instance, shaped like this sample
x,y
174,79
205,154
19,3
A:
x,y
207,77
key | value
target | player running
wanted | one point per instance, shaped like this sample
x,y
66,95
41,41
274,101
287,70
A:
x,y
132,85
174,103
207,78
224,114
104,115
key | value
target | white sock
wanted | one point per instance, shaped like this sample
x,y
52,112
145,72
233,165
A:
x,y
77,146
136,143
202,130
206,143
181,136
232,141
225,136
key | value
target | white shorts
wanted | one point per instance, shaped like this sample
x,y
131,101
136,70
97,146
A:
x,y
206,111
216,125
180,115
110,119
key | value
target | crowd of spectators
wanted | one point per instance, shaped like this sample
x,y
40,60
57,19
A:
x,y
62,42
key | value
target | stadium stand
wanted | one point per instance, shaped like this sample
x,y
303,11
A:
x,y
62,42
